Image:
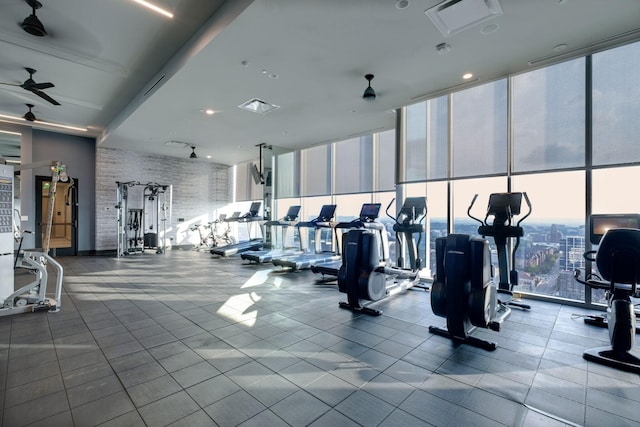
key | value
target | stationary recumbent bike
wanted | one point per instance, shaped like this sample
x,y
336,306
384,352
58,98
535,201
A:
x,y
618,262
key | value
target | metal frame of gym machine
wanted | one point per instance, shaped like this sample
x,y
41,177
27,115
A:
x,y
32,296
152,192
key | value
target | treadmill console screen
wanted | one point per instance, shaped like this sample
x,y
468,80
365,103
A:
x,y
414,207
327,212
369,211
255,208
501,203
599,224
292,213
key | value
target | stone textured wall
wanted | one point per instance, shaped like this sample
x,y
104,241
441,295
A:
x,y
198,189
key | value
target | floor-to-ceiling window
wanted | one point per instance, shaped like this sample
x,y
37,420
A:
x,y
566,134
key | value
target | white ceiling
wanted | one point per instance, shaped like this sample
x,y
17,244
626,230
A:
x,y
138,79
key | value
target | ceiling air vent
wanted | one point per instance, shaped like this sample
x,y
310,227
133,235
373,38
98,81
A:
x,y
259,106
179,144
454,16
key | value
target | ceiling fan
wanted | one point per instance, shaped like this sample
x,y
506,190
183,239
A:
x,y
34,87
29,116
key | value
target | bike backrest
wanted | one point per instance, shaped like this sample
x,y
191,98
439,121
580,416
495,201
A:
x,y
618,256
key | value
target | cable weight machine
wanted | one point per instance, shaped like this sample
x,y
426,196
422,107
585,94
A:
x,y
142,216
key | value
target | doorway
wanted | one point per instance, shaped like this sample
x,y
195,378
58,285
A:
x,y
63,239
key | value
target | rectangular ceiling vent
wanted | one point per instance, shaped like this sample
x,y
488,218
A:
x,y
259,106
453,16
178,144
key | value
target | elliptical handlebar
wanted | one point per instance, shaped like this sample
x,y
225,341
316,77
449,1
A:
x,y
526,199
387,210
473,201
508,214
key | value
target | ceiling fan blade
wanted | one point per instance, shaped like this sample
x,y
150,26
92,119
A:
x,y
11,84
44,96
39,86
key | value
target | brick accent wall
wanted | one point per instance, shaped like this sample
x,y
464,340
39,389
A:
x,y
198,189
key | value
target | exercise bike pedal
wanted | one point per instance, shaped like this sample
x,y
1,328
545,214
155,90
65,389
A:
x,y
601,321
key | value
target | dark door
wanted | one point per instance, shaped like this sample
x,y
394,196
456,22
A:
x,y
63,240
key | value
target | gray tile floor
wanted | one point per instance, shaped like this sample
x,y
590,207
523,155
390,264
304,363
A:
x,y
182,339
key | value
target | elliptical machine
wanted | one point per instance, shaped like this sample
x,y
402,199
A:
x,y
366,274
618,262
463,291
503,207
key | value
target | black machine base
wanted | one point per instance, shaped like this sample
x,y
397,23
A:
x,y
360,309
623,360
506,297
476,342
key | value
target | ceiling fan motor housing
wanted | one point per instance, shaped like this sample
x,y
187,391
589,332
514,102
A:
x,y
31,23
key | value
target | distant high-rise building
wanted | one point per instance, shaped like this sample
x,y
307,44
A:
x,y
555,235
571,253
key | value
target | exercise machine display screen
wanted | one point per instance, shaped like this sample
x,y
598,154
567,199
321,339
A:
x,y
500,203
292,213
255,208
414,207
370,211
599,224
327,212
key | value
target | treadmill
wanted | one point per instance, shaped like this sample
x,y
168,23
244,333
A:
x,y
286,225
251,218
366,220
307,257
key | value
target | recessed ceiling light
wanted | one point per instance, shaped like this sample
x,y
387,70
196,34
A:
x,y
209,112
273,76
402,4
560,47
155,8
488,29
208,156
467,76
